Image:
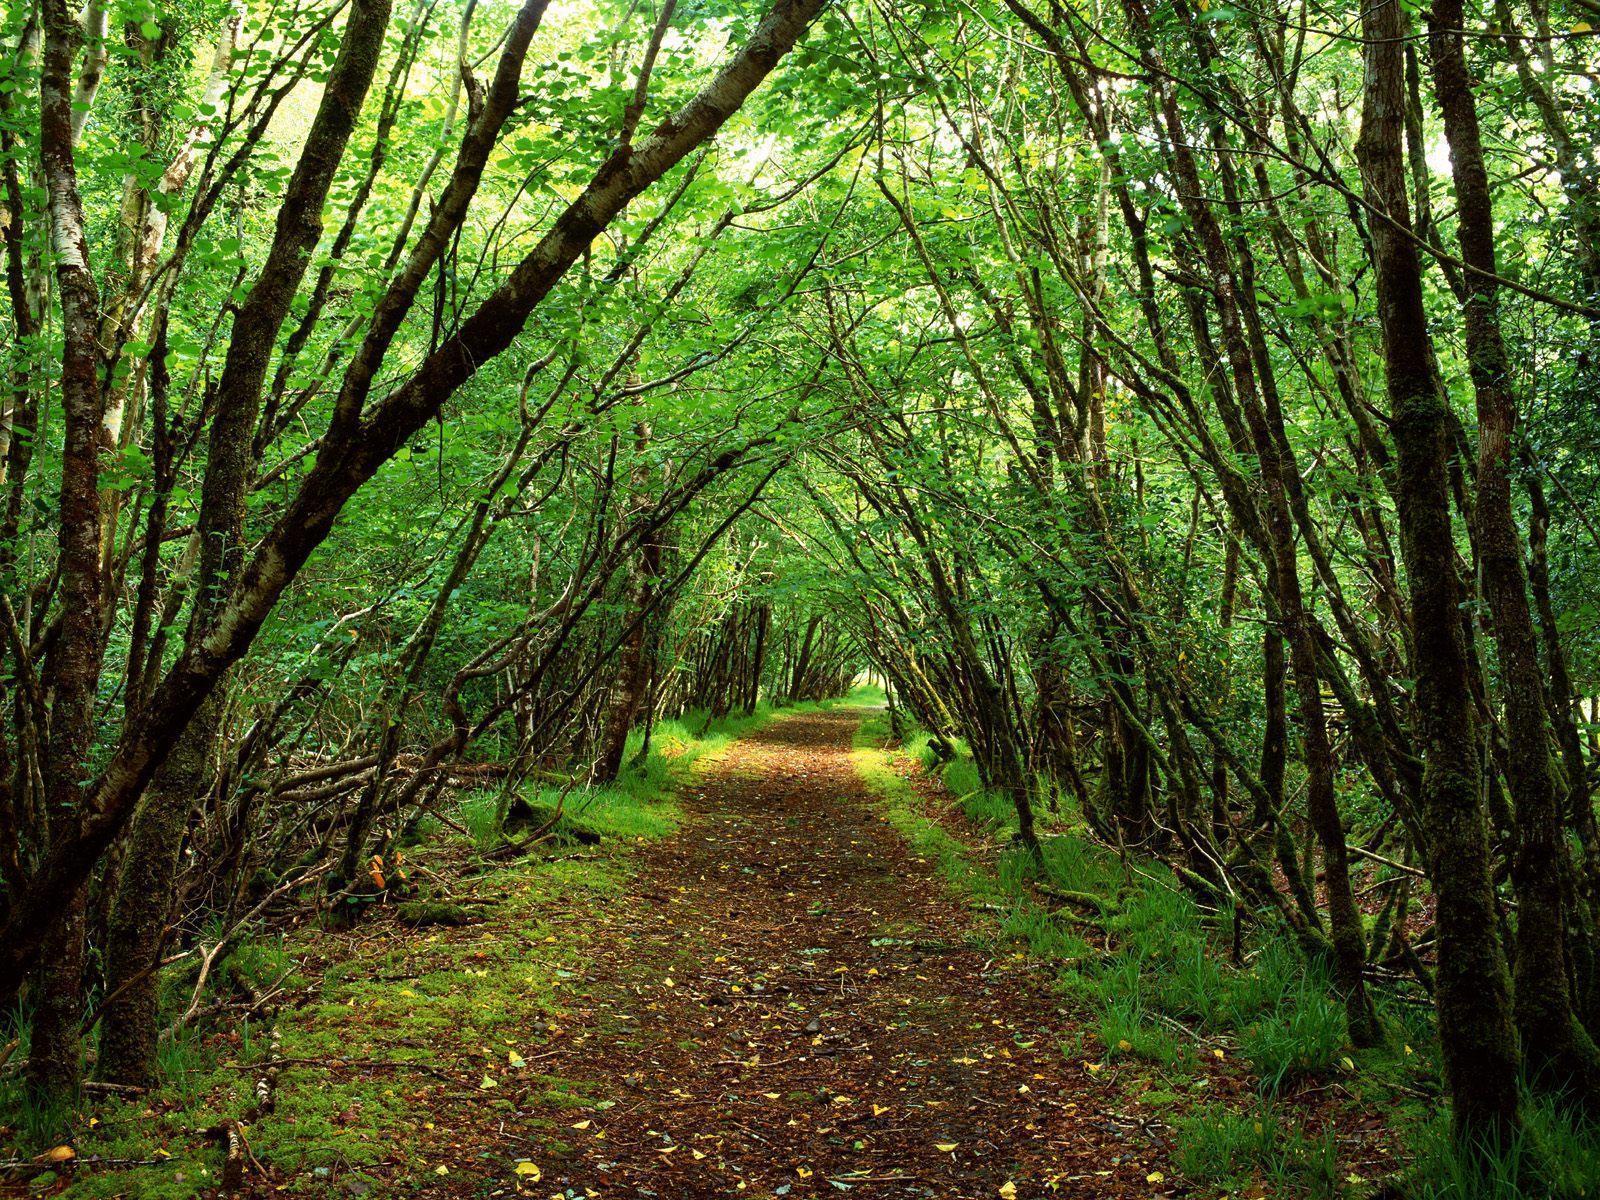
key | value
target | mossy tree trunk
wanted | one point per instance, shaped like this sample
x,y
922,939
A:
x,y
1556,1047
1472,988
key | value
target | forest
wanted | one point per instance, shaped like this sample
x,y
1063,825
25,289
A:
x,y
937,598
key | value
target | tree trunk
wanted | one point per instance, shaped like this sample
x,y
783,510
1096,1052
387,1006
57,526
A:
x,y
135,934
73,667
1555,1046
633,667
1476,1035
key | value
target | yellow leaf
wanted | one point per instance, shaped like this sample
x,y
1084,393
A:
x,y
488,1083
1124,1044
1347,1063
1218,1054
944,1147
1154,1177
803,1172
582,1124
529,1170
59,1154
1008,1190
879,1109
516,1060
441,1169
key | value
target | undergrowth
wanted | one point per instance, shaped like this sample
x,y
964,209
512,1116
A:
x,y
377,1009
1246,1057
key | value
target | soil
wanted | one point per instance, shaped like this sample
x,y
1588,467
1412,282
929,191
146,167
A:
x,y
786,1001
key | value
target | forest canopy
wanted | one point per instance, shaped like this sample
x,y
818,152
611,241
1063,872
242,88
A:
x,y
1188,410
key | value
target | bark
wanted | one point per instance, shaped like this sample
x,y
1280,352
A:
x,y
130,1017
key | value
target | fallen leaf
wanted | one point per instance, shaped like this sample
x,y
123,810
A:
x,y
529,1170
1008,1190
944,1147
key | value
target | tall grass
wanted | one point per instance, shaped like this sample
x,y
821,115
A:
x,y
1238,1149
1556,1154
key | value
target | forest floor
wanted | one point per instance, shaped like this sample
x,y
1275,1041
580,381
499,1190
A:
x,y
756,987
785,1000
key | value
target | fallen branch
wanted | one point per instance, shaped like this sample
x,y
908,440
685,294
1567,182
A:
x,y
210,957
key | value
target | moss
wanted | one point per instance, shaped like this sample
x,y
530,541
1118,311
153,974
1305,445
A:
x,y
420,914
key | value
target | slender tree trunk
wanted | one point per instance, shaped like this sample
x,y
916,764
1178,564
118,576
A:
x,y
1473,991
632,668
1555,1045
73,668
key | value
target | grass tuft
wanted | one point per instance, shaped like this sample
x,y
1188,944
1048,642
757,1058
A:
x,y
1244,1150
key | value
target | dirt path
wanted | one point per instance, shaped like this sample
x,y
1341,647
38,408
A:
x,y
787,1003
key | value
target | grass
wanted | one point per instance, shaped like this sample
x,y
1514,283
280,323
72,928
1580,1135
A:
x,y
1237,1150
1556,1155
414,998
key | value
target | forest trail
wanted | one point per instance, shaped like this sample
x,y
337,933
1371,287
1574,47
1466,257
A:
x,y
785,1001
